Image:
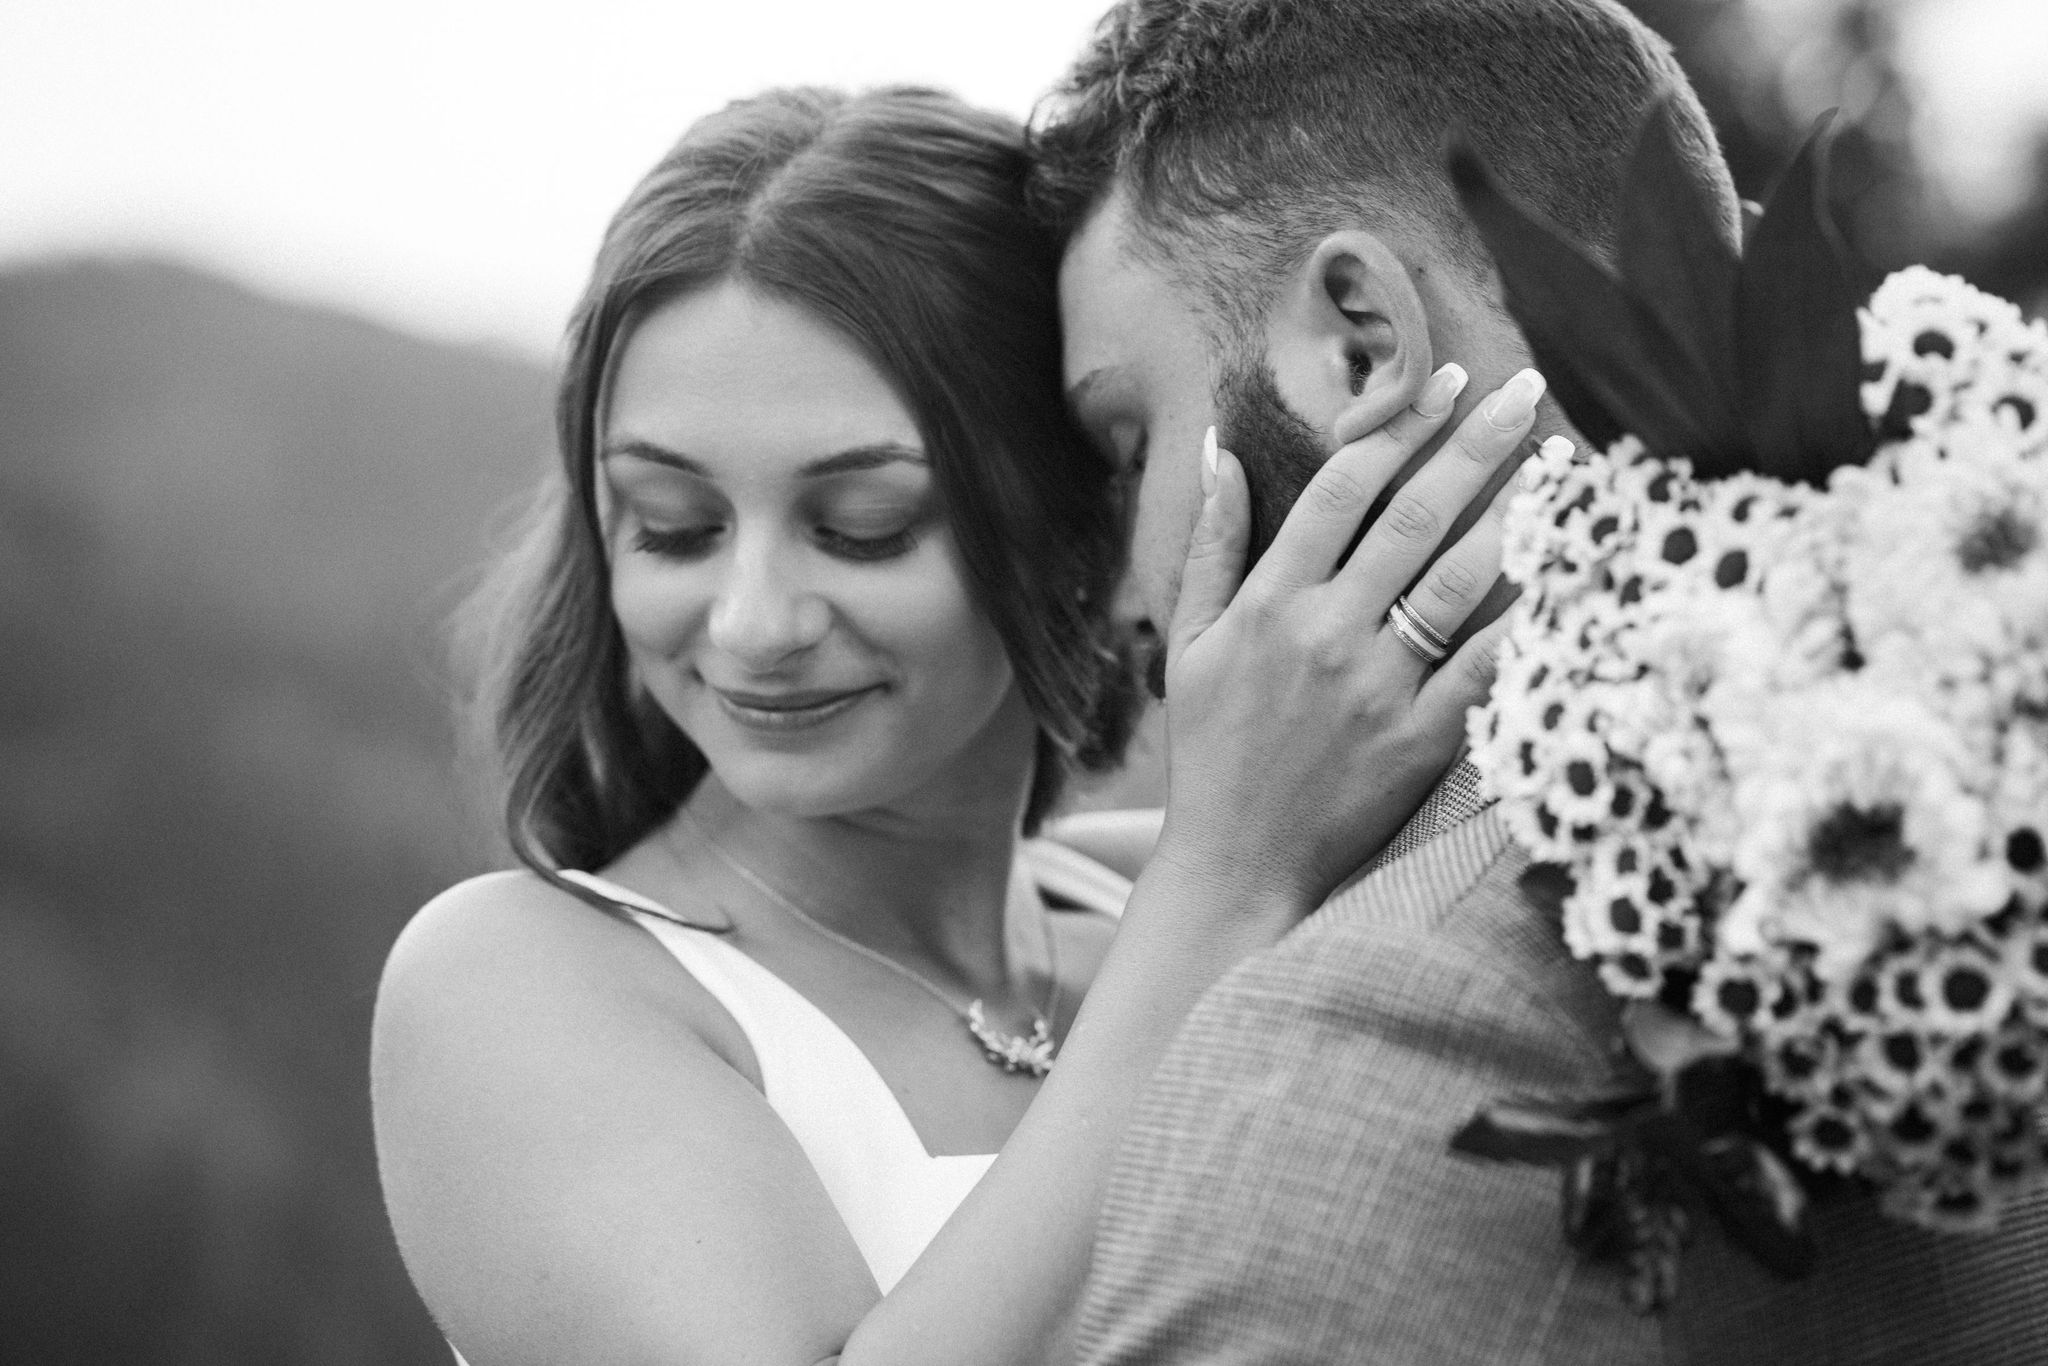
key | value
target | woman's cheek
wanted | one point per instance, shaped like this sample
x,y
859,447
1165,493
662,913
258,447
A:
x,y
942,626
653,604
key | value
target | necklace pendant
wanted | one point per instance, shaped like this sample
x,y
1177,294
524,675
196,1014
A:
x,y
1013,1052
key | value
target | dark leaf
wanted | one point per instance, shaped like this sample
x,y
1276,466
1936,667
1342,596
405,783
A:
x,y
1544,1131
1762,1206
1595,1222
1548,884
1719,1094
1752,1192
1677,257
1797,340
1587,411
1605,352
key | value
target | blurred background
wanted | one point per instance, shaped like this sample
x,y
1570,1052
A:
x,y
279,293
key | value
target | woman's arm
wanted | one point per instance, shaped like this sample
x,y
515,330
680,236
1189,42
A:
x,y
1301,736
579,1170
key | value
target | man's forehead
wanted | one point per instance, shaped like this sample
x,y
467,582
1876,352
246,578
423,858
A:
x,y
1111,296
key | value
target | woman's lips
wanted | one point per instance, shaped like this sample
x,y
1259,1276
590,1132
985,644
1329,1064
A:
x,y
788,711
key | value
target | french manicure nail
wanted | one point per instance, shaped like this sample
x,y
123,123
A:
x,y
1511,407
1441,391
1555,448
1209,462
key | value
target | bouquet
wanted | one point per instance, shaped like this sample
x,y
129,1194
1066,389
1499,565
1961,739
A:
x,y
1773,720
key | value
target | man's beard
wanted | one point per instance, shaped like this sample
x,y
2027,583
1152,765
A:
x,y
1279,451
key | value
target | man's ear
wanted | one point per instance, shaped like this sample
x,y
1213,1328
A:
x,y
1347,337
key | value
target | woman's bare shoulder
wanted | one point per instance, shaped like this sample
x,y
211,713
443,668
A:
x,y
551,1109
508,956
501,935
491,917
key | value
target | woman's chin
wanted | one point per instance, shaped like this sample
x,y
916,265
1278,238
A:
x,y
805,787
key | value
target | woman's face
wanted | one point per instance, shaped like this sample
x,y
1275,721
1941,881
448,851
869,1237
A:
x,y
782,571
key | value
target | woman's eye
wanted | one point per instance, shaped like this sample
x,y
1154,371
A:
x,y
676,543
866,548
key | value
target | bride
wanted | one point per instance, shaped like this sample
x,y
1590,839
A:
x,y
775,1050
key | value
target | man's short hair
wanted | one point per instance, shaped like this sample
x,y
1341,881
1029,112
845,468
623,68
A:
x,y
1244,131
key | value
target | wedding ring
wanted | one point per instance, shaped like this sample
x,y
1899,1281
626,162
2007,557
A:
x,y
1418,635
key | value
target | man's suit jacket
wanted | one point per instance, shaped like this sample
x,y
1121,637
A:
x,y
1286,1192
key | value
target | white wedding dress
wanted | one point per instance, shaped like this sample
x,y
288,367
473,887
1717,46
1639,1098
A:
x,y
892,1194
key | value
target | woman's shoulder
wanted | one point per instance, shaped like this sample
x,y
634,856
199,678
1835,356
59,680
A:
x,y
493,921
509,955
503,946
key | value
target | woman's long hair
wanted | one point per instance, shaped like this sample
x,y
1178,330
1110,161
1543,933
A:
x,y
896,217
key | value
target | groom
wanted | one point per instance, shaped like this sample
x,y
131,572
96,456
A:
x,y
1260,236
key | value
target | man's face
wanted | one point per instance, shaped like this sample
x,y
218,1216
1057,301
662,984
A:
x,y
1145,375
1139,375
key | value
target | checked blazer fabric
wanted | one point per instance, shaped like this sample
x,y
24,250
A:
x,y
1286,1194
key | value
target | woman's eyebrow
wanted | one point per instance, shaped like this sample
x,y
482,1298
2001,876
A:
x,y
839,462
864,458
648,450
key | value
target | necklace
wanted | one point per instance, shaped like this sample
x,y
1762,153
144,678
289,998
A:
x,y
1032,1053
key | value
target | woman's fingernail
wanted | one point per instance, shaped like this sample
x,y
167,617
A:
x,y
1555,448
1511,407
1209,462
1441,391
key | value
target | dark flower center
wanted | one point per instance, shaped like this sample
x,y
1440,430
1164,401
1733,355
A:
x,y
1739,999
1931,343
1580,775
1833,1135
1902,1051
1998,541
2024,850
1912,1126
1855,845
1965,989
1624,916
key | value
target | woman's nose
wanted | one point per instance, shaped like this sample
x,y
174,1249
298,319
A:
x,y
764,613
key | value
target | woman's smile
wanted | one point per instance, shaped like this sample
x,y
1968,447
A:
x,y
784,711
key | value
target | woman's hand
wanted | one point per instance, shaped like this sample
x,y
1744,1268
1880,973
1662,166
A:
x,y
1302,731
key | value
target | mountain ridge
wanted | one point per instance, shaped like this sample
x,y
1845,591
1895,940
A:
x,y
229,527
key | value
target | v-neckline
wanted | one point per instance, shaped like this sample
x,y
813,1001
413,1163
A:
x,y
871,1074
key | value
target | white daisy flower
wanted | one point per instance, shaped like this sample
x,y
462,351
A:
x,y
1856,822
1954,559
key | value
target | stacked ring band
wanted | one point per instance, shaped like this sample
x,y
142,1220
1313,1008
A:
x,y
1418,635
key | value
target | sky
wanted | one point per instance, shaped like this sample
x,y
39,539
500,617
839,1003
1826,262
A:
x,y
448,165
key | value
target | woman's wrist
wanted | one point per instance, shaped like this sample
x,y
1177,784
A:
x,y
1252,887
